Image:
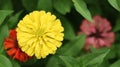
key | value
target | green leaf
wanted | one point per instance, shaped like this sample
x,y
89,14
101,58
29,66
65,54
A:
x,y
30,5
2,50
112,53
56,61
117,25
3,33
114,4
69,61
118,2
62,7
98,57
41,5
105,63
91,1
68,29
95,10
81,7
4,61
116,64
4,14
6,5
15,63
12,22
117,48
69,32
93,59
73,47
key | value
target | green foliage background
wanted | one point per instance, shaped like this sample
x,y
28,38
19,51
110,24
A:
x,y
71,13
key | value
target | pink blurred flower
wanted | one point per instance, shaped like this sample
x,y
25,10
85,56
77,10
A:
x,y
98,32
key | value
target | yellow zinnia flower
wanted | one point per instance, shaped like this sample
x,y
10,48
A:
x,y
39,33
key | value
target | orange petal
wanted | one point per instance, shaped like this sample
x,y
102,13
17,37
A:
x,y
13,34
11,52
9,43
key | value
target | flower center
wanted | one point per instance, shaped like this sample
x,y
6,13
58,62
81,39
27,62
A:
x,y
40,32
97,34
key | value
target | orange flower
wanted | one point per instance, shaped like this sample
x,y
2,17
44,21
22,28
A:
x,y
12,49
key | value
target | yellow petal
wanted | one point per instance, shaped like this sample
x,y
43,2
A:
x,y
39,33
38,50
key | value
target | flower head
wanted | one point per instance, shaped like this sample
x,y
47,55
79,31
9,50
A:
x,y
39,33
98,32
11,46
